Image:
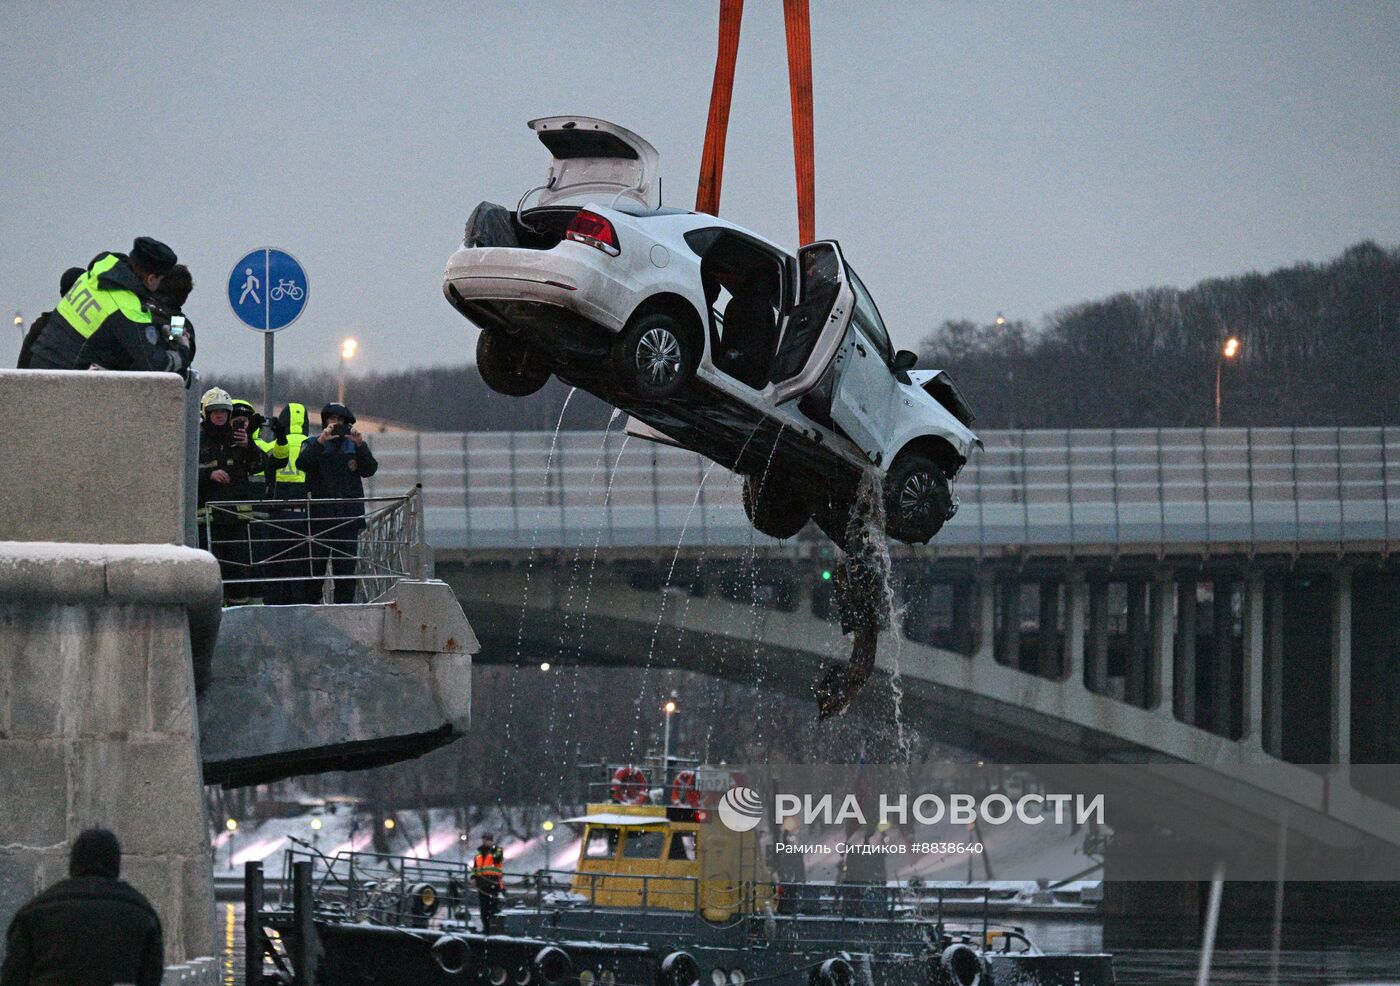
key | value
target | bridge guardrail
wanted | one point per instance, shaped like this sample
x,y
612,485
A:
x,y
1308,488
263,541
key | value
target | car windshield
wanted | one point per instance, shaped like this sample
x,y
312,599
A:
x,y
867,317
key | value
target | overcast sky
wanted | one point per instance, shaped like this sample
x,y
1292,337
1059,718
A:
x,y
971,157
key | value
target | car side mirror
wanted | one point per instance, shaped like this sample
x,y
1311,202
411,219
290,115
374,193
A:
x,y
905,360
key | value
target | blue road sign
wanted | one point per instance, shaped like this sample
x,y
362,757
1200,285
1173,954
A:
x,y
268,289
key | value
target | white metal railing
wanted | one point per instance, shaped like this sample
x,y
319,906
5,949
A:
x,y
1301,486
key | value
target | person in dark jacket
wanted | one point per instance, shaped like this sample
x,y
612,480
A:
x,y
227,458
336,462
26,349
89,930
104,320
168,305
247,424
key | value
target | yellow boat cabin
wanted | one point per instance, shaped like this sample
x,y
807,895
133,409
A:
x,y
644,856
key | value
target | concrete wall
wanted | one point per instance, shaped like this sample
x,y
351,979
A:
x,y
64,476
97,720
304,689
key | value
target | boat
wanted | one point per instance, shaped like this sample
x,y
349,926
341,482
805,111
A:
x,y
661,893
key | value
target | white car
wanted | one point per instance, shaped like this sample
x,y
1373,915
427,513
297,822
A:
x,y
714,338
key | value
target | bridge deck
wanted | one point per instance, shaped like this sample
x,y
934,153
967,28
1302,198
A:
x,y
1297,489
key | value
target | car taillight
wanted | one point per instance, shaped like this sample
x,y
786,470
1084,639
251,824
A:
x,y
594,230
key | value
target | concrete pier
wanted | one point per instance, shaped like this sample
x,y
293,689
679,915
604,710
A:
x,y
97,722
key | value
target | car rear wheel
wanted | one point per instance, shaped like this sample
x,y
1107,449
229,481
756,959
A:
x,y
918,499
774,508
655,356
508,365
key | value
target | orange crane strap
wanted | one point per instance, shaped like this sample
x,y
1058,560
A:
x,y
731,14
797,21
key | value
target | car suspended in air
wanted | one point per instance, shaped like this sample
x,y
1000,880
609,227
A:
x,y
713,338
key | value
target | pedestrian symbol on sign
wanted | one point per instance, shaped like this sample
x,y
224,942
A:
x,y
250,287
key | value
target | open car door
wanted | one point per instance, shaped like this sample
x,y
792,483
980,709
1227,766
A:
x,y
815,325
596,158
866,386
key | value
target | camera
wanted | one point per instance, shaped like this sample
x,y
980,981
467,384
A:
x,y
177,326
341,430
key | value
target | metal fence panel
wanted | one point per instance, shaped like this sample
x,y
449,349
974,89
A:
x,y
1135,487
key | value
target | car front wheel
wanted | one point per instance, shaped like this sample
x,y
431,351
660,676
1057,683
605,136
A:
x,y
918,499
774,508
508,366
655,356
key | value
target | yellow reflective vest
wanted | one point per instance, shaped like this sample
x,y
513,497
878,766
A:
x,y
288,451
87,305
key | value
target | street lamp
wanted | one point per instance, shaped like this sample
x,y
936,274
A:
x,y
1230,350
347,352
315,829
232,826
670,709
548,839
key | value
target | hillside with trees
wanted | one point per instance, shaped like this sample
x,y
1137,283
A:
x,y
1319,345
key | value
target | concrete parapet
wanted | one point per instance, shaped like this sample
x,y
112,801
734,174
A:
x,y
304,689
73,483
97,721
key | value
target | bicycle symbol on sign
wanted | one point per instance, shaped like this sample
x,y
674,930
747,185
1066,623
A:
x,y
286,289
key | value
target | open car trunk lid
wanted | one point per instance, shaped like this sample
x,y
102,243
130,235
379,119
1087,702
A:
x,y
595,157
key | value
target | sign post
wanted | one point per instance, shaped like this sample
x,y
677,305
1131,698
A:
x,y
268,290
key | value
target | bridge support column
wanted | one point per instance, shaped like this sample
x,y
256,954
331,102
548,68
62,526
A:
x,y
1252,700
1096,668
1139,654
1009,640
1048,643
1222,666
965,617
986,587
1271,699
1073,659
1184,676
1163,640
1341,666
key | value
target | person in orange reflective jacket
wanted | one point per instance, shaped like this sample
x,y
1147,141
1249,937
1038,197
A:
x,y
490,880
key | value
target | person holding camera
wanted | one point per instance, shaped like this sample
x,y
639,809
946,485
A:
x,y
104,321
336,462
167,307
226,459
246,423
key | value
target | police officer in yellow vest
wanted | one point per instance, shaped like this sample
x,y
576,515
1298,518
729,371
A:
x,y
286,547
104,320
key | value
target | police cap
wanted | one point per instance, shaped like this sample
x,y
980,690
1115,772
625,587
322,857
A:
x,y
152,256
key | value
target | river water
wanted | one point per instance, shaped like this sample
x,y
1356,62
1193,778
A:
x,y
1359,958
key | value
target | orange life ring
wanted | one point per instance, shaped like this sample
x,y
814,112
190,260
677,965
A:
x,y
629,786
683,790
